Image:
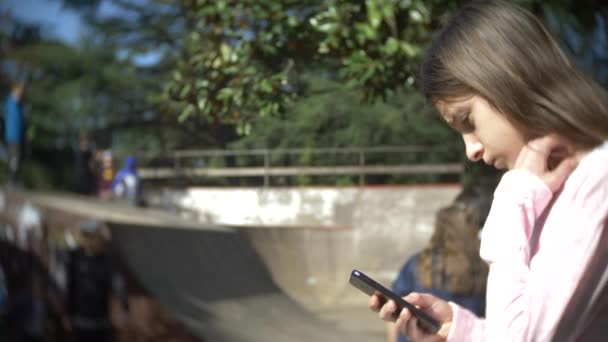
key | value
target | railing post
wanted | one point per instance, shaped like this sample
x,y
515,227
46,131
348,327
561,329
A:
x,y
361,164
266,167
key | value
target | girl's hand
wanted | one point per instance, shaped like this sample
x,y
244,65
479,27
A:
x,y
407,324
550,158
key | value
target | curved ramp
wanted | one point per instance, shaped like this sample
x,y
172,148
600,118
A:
x,y
237,283
215,282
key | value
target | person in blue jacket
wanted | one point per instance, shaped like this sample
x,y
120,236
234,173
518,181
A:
x,y
14,128
126,183
449,266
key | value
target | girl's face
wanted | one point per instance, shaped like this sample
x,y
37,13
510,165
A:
x,y
487,135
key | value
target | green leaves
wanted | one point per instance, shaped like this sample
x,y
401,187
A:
x,y
186,113
239,55
379,42
235,58
233,61
219,84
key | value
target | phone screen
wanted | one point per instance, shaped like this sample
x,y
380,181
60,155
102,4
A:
x,y
370,287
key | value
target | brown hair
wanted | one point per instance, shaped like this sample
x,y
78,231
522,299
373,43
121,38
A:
x,y
454,247
504,53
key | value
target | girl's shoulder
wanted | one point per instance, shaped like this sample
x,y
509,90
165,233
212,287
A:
x,y
594,164
591,174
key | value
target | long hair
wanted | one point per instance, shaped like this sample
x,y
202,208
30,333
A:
x,y
503,53
451,259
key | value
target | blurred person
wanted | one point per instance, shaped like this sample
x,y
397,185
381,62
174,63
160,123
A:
x,y
126,183
18,305
91,281
478,198
3,305
14,129
30,230
498,77
106,175
58,249
449,267
85,168
29,310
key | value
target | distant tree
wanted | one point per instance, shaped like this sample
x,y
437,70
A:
x,y
86,87
319,120
151,35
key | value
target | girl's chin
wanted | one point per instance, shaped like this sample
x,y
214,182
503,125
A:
x,y
499,165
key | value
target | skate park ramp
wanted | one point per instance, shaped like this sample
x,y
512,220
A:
x,y
256,282
216,283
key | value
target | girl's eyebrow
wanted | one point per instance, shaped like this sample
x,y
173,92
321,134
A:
x,y
459,109
456,115
453,112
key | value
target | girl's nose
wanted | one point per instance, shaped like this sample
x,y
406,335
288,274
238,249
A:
x,y
474,148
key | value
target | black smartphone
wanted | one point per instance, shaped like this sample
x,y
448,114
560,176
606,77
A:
x,y
370,287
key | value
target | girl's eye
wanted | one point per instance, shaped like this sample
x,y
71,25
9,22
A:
x,y
465,122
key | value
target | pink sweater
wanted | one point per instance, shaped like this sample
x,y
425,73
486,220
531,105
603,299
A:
x,y
537,246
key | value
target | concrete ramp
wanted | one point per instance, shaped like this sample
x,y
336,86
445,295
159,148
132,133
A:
x,y
253,281
216,283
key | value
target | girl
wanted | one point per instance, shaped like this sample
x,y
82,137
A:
x,y
449,266
498,77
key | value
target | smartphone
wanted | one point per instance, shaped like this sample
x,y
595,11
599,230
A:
x,y
371,287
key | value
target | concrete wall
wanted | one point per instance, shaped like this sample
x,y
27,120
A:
x,y
315,236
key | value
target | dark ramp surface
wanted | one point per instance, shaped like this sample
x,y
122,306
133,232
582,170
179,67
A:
x,y
215,282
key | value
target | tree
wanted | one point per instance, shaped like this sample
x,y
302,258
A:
x,y
234,65
237,58
230,62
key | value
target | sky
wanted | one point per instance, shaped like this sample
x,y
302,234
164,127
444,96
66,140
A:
x,y
56,20
61,22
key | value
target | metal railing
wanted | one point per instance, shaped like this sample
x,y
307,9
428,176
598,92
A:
x,y
267,163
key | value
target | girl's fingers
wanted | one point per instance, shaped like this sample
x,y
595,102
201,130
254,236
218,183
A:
x,y
548,157
558,176
412,330
387,312
549,144
374,303
403,320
